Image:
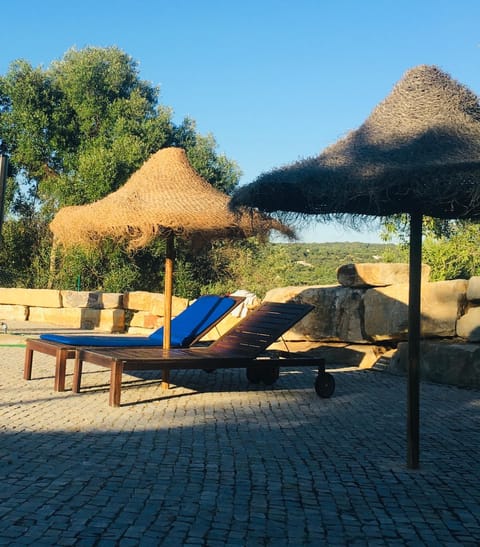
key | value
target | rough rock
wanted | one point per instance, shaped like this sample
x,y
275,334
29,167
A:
x,y
376,274
84,318
112,300
337,315
89,299
468,326
339,354
152,302
386,310
443,362
13,312
473,289
145,320
46,298
372,315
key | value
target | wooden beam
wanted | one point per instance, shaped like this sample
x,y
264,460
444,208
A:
x,y
168,290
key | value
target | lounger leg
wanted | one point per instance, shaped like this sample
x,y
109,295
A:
x,y
27,369
60,369
165,378
115,383
77,374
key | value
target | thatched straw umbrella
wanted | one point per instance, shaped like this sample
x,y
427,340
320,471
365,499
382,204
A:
x,y
417,153
165,198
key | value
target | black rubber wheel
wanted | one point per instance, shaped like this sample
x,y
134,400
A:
x,y
253,375
325,385
270,374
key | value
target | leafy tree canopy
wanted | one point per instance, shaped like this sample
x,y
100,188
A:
x,y
75,132
78,129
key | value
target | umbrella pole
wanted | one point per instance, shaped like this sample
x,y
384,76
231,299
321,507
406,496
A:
x,y
168,292
414,318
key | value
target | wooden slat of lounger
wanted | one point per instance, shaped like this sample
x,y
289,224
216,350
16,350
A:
x,y
272,313
145,360
262,328
260,337
134,354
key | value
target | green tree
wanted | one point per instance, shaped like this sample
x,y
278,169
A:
x,y
450,247
75,132
397,227
454,256
253,266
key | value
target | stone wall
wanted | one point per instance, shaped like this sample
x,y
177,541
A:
x,y
106,312
367,309
358,311
443,362
369,305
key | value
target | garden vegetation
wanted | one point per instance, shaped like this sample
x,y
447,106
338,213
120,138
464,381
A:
x,y
75,132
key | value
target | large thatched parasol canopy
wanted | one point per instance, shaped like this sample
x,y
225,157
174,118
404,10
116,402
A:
x,y
166,197
417,153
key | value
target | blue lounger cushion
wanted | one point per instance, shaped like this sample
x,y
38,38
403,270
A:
x,y
186,327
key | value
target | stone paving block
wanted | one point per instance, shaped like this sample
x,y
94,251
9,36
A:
x,y
214,460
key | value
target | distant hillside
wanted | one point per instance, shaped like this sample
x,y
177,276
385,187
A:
x,y
317,263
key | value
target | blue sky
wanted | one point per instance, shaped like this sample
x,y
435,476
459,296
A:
x,y
274,81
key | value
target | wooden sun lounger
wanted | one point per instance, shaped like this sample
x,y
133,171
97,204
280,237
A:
x,y
240,347
63,351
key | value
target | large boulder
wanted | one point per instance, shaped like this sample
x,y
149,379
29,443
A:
x,y
373,315
82,318
468,326
13,312
145,320
376,274
91,299
473,289
337,315
47,298
386,310
152,302
457,364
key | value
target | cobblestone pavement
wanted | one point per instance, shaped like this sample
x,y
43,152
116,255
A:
x,y
215,461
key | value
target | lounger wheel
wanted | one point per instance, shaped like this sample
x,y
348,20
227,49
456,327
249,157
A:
x,y
325,385
253,375
269,374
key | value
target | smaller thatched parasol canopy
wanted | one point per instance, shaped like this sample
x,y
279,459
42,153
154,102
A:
x,y
417,153
166,197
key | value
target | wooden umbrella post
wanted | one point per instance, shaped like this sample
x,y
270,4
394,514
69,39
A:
x,y
168,291
414,322
168,296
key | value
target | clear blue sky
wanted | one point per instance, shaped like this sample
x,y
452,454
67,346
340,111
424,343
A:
x,y
273,80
